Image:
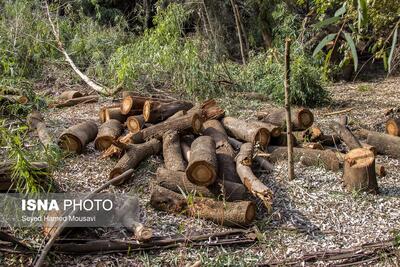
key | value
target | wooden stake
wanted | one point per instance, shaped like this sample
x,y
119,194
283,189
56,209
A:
x,y
287,106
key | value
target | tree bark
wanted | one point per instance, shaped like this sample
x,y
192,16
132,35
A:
x,y
189,121
289,110
133,156
385,144
108,133
135,102
35,122
225,152
67,95
115,113
75,138
102,112
246,131
301,119
346,135
78,100
308,157
393,127
209,110
135,123
203,167
273,129
178,182
379,168
172,152
359,171
240,213
250,181
155,112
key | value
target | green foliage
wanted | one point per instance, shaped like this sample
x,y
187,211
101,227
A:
x,y
26,177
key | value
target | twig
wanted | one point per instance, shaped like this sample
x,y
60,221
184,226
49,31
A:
x,y
338,112
86,79
288,111
61,227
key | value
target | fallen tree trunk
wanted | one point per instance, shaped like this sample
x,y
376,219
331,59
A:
x,y
75,138
308,157
264,163
250,181
240,213
155,111
273,129
346,135
35,122
393,127
202,168
359,171
69,95
178,182
133,156
312,134
246,131
107,134
385,144
172,153
189,121
301,119
135,123
225,152
78,100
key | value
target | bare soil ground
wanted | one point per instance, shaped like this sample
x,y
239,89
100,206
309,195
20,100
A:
x,y
311,213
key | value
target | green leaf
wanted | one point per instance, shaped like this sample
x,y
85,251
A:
x,y
323,43
362,13
341,11
385,61
353,49
326,22
394,42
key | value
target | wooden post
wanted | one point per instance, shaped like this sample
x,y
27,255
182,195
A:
x,y
287,106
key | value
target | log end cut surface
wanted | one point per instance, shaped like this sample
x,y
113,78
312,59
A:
x,y
103,142
70,143
201,173
393,127
262,137
306,118
126,105
359,157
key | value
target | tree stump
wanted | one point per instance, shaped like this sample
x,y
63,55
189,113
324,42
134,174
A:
x,y
359,171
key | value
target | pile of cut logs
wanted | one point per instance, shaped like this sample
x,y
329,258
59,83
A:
x,y
208,158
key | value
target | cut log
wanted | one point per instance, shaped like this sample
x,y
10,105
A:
x,y
308,157
203,167
185,148
178,182
189,121
172,153
178,114
128,215
329,140
133,156
343,120
135,123
75,138
35,122
273,129
359,171
264,163
225,152
69,95
250,181
346,135
385,144
302,119
155,111
209,110
240,213
282,140
362,133
393,127
78,100
246,131
108,133
312,134
102,112
131,102
13,99
114,114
